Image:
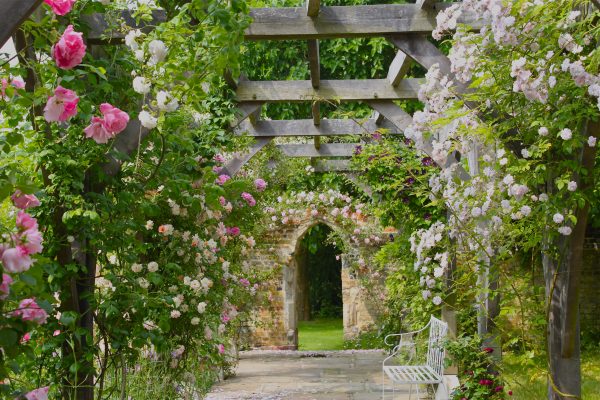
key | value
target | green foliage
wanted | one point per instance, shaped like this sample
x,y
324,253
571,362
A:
x,y
321,334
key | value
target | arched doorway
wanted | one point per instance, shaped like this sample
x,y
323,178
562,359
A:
x,y
319,300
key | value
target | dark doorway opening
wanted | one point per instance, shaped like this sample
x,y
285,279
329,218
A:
x,y
319,302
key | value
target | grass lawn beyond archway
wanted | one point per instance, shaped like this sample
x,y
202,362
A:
x,y
321,334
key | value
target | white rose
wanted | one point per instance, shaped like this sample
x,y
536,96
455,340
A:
x,y
153,266
141,85
132,35
175,314
166,102
136,268
201,307
158,52
558,218
147,120
195,321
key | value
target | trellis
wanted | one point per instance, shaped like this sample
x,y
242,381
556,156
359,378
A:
x,y
406,26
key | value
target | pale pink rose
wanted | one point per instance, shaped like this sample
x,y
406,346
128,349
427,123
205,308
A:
x,y
5,286
69,50
221,349
219,158
249,199
97,131
16,260
61,106
24,201
233,231
31,241
260,184
38,394
60,7
115,120
29,310
3,86
56,332
222,179
25,221
18,82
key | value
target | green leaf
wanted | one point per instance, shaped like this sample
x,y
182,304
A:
x,y
8,337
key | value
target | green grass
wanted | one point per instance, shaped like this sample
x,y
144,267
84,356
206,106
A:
x,y
321,334
529,383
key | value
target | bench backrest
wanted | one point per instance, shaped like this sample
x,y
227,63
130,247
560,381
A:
x,y
435,351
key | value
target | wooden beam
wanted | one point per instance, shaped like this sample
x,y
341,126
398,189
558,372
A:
x,y
245,110
285,23
333,166
314,63
378,118
344,90
14,12
99,26
399,68
234,165
312,8
326,150
425,3
306,127
402,120
316,113
420,49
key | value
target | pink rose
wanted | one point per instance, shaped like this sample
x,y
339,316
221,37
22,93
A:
x,y
38,394
222,200
30,311
26,338
260,184
61,106
249,199
97,131
24,201
233,231
69,50
26,221
16,259
115,120
60,7
222,179
221,349
31,241
17,83
219,158
245,282
5,286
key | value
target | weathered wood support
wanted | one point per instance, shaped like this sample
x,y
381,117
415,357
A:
x,y
233,166
14,12
286,23
306,127
325,150
399,68
343,90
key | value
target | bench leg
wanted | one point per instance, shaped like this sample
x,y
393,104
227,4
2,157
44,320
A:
x,y
382,385
410,392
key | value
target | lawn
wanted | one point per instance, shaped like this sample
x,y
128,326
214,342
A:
x,y
530,383
321,334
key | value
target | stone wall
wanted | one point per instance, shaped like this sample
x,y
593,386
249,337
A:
x,y
276,325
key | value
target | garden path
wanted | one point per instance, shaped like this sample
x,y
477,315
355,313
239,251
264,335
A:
x,y
306,375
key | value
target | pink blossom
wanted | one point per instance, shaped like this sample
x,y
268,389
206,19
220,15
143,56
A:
x,y
61,106
26,338
97,131
56,332
245,282
234,231
115,120
225,318
31,241
260,184
69,50
24,201
60,7
17,83
222,201
249,199
38,394
221,349
16,260
222,179
5,286
219,158
25,221
216,169
30,311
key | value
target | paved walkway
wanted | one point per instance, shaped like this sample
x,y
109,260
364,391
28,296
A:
x,y
302,375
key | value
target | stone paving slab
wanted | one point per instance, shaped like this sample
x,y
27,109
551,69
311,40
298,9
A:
x,y
301,375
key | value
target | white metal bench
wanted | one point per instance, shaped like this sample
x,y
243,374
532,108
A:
x,y
430,373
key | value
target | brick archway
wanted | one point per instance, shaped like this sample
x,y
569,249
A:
x,y
276,326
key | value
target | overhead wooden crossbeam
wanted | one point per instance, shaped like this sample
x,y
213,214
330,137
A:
x,y
245,110
399,68
233,166
306,127
14,12
333,166
101,34
326,150
343,90
285,23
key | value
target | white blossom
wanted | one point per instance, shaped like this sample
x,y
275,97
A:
x,y
141,85
147,120
158,51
